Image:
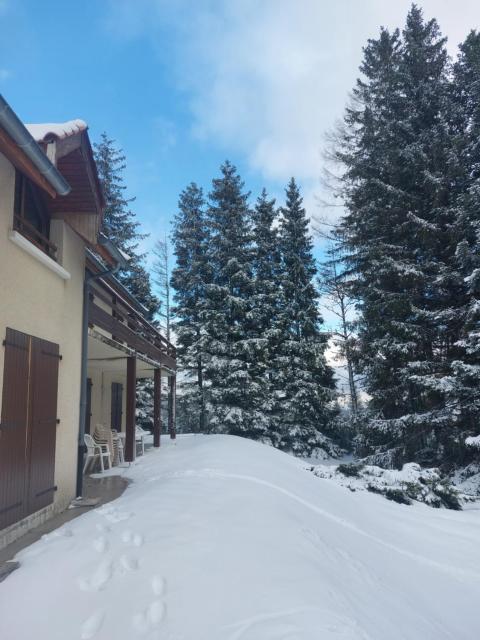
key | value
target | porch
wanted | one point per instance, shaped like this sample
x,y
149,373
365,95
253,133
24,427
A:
x,y
123,348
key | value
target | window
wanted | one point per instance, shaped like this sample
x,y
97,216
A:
x,y
30,216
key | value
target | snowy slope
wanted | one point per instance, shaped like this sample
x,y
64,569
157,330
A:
x,y
220,538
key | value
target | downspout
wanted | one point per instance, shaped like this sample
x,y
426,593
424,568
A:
x,y
121,262
15,128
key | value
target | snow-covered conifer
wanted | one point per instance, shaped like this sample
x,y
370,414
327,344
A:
x,y
232,385
303,381
189,279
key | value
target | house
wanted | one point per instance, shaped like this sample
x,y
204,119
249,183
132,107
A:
x,y
74,340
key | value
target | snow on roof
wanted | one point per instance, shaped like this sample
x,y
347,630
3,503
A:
x,y
61,130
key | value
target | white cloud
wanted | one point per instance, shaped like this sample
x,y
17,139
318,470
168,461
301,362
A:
x,y
268,79
5,74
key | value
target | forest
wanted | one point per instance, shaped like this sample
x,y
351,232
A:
x,y
241,280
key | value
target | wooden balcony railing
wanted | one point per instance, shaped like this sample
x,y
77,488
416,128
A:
x,y
35,236
128,326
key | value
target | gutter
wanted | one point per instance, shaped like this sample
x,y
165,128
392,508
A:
x,y
121,263
15,128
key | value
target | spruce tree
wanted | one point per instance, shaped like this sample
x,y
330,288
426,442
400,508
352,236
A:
x,y
120,226
304,381
400,166
464,392
119,223
371,229
266,304
232,387
189,279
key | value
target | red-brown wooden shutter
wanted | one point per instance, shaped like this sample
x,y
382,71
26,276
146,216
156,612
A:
x,y
13,428
44,376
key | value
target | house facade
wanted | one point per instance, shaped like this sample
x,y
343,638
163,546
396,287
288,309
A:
x,y
74,341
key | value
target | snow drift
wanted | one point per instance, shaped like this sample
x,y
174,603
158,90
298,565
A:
x,y
220,538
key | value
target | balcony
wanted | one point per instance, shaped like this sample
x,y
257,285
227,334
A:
x,y
125,325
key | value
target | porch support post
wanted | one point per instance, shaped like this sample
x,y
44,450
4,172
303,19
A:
x,y
172,381
130,414
157,403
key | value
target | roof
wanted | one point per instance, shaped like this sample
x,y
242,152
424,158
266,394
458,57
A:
x,y
59,131
18,145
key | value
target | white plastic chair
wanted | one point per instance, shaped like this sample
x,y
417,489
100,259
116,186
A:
x,y
140,437
118,444
96,450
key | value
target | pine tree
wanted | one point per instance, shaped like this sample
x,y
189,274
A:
x,y
232,387
400,166
464,392
119,223
266,303
303,388
370,227
120,226
144,404
161,270
189,279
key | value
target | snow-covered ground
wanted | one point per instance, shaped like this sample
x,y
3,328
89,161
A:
x,y
220,538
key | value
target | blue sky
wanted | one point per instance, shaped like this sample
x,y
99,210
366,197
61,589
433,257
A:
x,y
182,85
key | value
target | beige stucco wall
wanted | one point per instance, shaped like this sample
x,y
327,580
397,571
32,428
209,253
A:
x,y
36,301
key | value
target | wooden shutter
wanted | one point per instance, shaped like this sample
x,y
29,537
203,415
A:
x,y
117,401
14,428
43,403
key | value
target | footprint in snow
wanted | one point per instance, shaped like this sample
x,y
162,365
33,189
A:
x,y
100,544
99,579
159,585
112,514
136,539
156,612
146,620
102,528
127,536
92,625
129,563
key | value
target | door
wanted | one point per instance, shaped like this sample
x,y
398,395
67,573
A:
x,y
117,403
28,426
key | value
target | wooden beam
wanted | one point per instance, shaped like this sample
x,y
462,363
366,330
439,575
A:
x,y
16,156
92,174
157,403
130,414
172,383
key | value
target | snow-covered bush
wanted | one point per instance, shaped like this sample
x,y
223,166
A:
x,y
473,441
350,470
411,483
467,480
